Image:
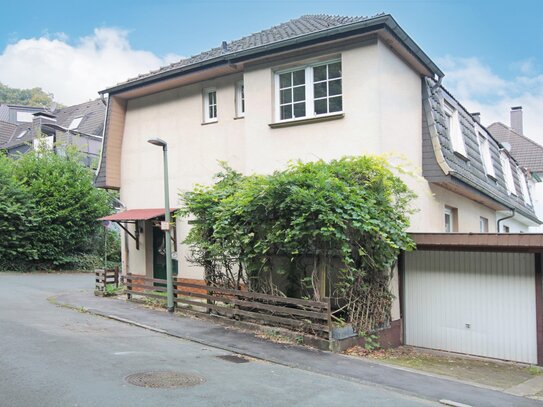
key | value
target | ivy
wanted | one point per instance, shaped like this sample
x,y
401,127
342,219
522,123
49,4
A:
x,y
313,230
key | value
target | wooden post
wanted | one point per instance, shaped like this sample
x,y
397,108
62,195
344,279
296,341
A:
x,y
322,276
329,315
116,276
129,285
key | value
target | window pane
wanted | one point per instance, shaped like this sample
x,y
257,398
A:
x,y
335,87
320,89
320,106
299,93
298,77
285,80
319,73
286,112
299,109
286,96
335,104
334,70
212,98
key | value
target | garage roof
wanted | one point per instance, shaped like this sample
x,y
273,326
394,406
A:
x,y
511,242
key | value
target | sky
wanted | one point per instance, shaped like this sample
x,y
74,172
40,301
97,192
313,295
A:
x,y
491,51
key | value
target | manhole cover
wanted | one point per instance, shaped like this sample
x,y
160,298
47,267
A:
x,y
164,379
233,358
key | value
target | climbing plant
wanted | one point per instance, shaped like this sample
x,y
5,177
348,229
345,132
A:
x,y
313,230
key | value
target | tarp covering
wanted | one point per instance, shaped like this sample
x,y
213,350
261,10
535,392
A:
x,y
136,214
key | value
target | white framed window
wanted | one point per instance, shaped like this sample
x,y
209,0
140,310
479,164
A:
x,y
210,105
450,218
507,173
454,129
483,224
309,91
240,99
25,117
484,148
523,186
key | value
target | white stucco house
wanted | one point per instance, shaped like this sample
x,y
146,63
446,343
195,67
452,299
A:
x,y
317,87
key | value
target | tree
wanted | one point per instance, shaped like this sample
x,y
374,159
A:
x,y
26,97
51,209
327,229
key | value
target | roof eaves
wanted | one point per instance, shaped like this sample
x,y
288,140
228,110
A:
x,y
373,23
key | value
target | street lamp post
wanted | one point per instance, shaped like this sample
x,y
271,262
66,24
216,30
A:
x,y
167,236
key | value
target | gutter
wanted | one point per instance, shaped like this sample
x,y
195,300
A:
x,y
375,23
505,218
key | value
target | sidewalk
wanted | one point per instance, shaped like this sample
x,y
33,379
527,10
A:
x,y
326,363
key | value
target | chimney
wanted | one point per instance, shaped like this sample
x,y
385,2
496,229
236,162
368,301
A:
x,y
516,119
477,117
224,46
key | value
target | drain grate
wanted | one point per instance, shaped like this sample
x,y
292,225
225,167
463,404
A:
x,y
164,379
233,358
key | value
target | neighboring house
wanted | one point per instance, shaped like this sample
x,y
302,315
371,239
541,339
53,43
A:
x,y
527,152
17,114
317,87
79,125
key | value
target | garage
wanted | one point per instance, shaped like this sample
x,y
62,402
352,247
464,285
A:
x,y
475,296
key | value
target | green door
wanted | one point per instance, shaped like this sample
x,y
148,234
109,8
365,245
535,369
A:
x,y
159,256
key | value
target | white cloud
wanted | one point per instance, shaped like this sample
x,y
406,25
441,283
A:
x,y
479,89
75,72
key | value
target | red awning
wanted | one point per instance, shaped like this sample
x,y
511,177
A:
x,y
136,214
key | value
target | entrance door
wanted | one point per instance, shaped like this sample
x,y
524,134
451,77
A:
x,y
159,255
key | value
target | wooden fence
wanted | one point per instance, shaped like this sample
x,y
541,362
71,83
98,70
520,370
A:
x,y
105,277
304,315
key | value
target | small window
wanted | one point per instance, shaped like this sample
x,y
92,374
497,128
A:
x,y
507,173
451,219
240,99
454,129
210,105
485,155
483,224
309,91
75,123
21,134
523,186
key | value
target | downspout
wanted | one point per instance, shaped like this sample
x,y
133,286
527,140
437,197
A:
x,y
507,217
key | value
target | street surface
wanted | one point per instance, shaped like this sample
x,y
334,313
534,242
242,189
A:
x,y
55,356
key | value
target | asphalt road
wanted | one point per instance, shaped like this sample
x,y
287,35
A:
x,y
54,356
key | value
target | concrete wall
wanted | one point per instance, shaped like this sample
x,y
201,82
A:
x,y
383,110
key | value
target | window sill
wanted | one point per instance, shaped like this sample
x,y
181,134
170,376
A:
x,y
308,120
239,117
461,156
210,122
492,177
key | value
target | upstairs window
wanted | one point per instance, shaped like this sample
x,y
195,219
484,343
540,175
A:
x,y
451,219
240,99
507,173
485,155
210,105
523,186
454,129
309,91
483,224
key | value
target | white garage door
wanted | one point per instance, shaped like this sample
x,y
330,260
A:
x,y
472,302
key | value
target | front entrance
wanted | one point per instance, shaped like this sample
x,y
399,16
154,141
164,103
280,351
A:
x,y
159,255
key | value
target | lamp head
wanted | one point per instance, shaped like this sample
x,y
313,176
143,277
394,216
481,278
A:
x,y
158,142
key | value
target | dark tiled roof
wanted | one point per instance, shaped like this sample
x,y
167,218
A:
x,y
303,25
6,131
472,171
527,152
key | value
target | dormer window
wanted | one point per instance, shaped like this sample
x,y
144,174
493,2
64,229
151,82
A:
x,y
75,123
507,173
454,129
485,156
523,186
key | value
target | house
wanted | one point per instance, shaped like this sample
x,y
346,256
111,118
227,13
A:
x,y
321,87
80,125
527,152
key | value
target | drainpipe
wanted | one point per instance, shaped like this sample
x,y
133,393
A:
x,y
507,217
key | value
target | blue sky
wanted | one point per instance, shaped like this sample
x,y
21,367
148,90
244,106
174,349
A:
x,y
500,43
